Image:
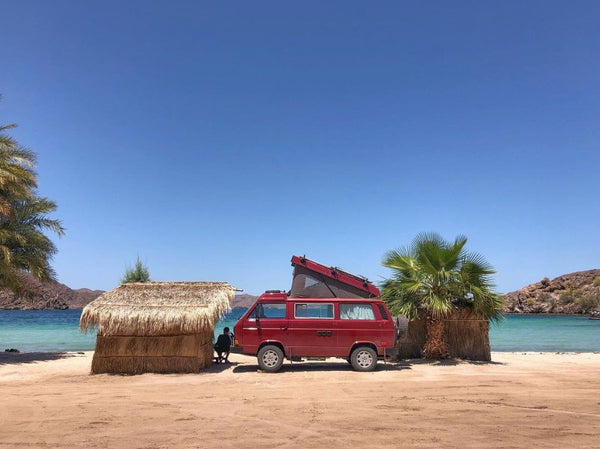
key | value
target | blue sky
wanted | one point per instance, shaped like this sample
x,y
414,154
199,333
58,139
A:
x,y
215,141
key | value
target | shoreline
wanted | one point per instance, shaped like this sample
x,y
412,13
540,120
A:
x,y
582,314
6,356
240,307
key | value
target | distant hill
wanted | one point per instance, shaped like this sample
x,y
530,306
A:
x,y
54,295
572,293
48,295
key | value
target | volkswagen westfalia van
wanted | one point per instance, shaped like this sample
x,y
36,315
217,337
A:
x,y
328,312
360,330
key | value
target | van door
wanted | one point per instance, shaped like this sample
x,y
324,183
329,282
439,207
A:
x,y
266,323
312,331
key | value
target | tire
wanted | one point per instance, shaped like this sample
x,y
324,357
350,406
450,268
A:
x,y
270,358
363,358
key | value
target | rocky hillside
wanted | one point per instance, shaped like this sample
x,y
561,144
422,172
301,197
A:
x,y
52,295
572,293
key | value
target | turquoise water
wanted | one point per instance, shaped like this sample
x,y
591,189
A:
x,y
57,330
43,330
545,333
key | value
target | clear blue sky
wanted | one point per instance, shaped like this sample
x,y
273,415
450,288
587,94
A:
x,y
215,141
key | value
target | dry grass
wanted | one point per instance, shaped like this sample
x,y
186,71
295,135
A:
x,y
160,327
158,308
162,354
141,365
412,343
468,336
466,333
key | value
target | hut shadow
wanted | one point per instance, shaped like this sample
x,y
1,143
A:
x,y
303,367
220,367
16,358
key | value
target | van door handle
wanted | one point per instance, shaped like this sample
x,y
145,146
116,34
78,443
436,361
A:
x,y
283,328
324,333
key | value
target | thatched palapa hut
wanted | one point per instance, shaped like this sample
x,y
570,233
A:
x,y
160,327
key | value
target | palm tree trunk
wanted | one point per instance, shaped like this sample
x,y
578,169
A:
x,y
436,346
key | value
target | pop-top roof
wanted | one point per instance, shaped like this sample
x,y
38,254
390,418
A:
x,y
312,279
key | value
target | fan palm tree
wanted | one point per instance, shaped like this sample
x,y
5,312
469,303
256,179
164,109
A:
x,y
431,278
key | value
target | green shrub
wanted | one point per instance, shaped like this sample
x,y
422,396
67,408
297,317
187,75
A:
x,y
566,297
139,273
545,282
544,297
588,302
596,281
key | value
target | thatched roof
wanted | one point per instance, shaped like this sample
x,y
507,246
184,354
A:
x,y
158,308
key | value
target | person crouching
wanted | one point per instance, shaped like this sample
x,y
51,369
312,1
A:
x,y
223,347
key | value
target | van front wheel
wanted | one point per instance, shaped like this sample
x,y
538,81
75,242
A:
x,y
363,358
270,358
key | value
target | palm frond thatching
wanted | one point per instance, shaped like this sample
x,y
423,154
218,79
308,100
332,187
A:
x,y
466,332
158,308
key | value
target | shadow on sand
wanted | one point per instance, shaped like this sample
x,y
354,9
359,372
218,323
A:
x,y
220,367
446,362
14,358
302,367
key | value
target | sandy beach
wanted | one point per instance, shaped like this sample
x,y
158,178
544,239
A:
x,y
519,400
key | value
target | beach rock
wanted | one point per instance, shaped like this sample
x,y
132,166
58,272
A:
x,y
47,295
573,293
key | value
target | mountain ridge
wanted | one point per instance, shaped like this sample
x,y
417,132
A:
x,y
572,293
47,295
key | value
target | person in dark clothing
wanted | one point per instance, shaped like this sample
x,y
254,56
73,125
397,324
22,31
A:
x,y
223,346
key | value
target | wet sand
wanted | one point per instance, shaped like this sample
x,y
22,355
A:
x,y
519,400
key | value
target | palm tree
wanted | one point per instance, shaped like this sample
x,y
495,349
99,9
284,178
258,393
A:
x,y
24,248
23,245
431,278
17,177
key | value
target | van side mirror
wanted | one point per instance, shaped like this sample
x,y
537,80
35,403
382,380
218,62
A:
x,y
258,312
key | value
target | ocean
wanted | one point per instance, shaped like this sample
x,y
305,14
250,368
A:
x,y
57,330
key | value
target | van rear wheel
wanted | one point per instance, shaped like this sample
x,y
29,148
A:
x,y
363,358
270,358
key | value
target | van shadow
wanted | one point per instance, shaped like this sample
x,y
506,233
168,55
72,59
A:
x,y
16,358
303,367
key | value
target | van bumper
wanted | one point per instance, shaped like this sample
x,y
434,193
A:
x,y
236,350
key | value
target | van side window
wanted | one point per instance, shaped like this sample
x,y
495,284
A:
x,y
382,311
308,310
356,312
273,310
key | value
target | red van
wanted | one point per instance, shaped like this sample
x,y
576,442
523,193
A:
x,y
345,320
